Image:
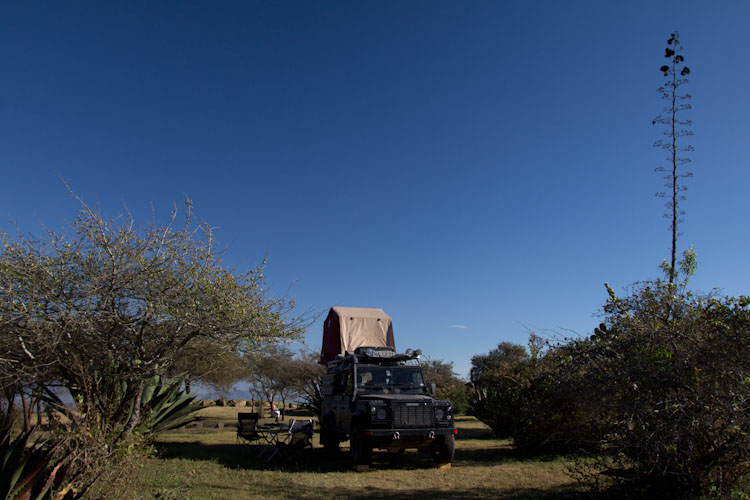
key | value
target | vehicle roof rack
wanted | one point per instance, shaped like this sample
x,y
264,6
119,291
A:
x,y
385,354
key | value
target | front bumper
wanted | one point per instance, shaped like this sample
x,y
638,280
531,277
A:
x,y
410,432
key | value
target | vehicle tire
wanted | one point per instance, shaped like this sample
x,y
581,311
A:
x,y
443,449
360,446
329,438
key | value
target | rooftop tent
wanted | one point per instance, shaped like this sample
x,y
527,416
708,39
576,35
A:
x,y
347,328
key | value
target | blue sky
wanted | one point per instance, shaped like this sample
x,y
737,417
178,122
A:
x,y
477,169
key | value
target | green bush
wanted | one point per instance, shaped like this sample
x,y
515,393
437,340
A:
x,y
447,384
496,401
499,378
657,398
669,374
536,401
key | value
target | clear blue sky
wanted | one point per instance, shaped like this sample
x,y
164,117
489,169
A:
x,y
473,168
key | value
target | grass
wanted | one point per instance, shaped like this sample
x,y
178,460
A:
x,y
208,463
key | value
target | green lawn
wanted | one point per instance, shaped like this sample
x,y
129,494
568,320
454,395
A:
x,y
208,463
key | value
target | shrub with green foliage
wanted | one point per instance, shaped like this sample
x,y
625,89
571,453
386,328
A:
x,y
497,394
553,414
668,374
499,379
102,308
658,396
448,385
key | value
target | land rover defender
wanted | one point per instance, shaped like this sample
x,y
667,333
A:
x,y
378,399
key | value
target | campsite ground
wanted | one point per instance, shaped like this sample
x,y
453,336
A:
x,y
207,462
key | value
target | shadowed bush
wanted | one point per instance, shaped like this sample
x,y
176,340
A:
x,y
657,398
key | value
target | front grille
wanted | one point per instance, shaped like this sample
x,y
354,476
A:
x,y
412,415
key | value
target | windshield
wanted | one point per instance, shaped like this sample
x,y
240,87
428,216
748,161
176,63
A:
x,y
403,377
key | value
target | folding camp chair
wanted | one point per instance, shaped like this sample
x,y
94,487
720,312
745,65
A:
x,y
247,427
298,438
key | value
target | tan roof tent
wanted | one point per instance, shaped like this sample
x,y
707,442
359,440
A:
x,y
347,328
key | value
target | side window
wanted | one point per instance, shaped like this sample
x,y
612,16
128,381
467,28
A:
x,y
347,382
364,378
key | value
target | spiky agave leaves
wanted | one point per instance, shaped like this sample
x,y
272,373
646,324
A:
x,y
483,404
24,467
312,398
165,406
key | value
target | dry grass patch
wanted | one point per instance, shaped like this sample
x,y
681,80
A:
x,y
208,463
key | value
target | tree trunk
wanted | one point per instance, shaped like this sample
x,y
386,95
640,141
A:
x,y
135,415
39,412
10,412
26,414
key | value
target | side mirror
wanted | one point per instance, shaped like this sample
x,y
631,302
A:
x,y
432,389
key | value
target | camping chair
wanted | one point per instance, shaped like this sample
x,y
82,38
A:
x,y
246,427
298,438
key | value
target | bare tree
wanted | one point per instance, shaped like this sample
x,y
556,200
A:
x,y
266,373
280,375
212,363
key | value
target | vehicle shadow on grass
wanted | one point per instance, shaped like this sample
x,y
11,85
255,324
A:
x,y
225,454
246,456
485,492
498,455
484,456
397,492
474,433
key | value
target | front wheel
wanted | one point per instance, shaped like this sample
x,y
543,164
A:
x,y
360,446
443,449
329,438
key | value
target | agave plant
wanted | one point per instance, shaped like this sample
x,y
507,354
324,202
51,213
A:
x,y
312,399
165,406
493,408
25,469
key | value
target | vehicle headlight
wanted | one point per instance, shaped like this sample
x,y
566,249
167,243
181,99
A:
x,y
381,414
439,414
